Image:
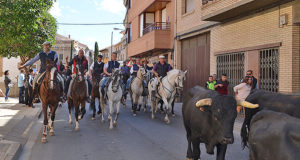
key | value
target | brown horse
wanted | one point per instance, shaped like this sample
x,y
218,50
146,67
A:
x,y
50,92
95,94
78,94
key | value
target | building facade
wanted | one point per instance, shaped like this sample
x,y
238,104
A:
x,y
233,36
150,28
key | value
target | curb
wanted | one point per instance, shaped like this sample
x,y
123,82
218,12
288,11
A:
x,y
13,151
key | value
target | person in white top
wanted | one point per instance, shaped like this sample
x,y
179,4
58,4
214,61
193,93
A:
x,y
243,90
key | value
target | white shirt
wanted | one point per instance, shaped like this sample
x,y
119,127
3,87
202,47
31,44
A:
x,y
92,66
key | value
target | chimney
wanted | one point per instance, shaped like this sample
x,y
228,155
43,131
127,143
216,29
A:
x,y
69,36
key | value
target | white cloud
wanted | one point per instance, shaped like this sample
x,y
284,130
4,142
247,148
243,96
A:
x,y
55,10
73,11
112,6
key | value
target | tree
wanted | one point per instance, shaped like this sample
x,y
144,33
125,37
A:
x,y
72,46
24,26
96,52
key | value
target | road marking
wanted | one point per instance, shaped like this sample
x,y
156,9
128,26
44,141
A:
x,y
28,129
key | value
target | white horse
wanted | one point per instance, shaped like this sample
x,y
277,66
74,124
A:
x,y
136,91
166,91
114,95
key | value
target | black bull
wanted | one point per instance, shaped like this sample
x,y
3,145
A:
x,y
274,136
277,102
210,123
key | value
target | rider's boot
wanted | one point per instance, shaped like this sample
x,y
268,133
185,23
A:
x,y
88,99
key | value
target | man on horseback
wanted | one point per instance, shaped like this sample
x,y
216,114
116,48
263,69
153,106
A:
x,y
134,69
96,69
160,70
108,69
81,60
43,56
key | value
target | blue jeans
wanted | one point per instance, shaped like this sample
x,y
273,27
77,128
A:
x,y
7,93
128,82
103,82
21,94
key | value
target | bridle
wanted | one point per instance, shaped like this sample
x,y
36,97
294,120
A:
x,y
117,85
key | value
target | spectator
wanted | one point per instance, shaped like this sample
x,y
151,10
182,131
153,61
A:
x,y
125,72
222,85
1,93
8,84
21,83
28,89
254,80
210,84
215,78
243,90
60,67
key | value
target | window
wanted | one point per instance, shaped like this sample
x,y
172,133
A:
x,y
128,34
141,24
188,6
61,57
268,69
233,65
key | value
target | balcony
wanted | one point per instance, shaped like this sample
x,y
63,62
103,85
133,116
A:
x,y
222,10
155,37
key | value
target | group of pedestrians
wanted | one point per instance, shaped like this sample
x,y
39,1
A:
x,y
241,91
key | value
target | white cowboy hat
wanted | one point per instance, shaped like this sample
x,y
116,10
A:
x,y
163,57
46,43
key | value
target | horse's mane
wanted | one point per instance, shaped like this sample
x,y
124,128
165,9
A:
x,y
173,71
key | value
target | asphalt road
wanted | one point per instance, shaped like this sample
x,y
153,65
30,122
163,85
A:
x,y
134,138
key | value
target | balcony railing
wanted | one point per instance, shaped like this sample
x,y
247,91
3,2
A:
x,y
204,2
157,26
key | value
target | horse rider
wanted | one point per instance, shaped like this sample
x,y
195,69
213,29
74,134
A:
x,y
108,69
125,72
160,70
134,69
43,56
96,69
81,60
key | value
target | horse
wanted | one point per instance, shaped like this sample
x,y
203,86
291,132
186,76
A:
x,y
166,91
136,91
114,95
78,94
50,92
95,94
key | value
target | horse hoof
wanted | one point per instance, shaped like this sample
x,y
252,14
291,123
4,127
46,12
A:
x,y
79,117
92,118
70,122
167,121
102,121
115,124
51,133
110,128
134,115
173,115
109,118
44,140
152,117
76,128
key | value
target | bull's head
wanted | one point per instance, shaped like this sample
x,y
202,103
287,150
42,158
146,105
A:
x,y
222,113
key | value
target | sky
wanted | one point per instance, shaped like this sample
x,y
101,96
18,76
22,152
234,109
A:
x,y
90,11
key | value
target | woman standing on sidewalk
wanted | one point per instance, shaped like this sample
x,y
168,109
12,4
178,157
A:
x,y
7,82
243,90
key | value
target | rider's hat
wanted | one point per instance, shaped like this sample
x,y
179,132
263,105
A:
x,y
163,57
47,43
100,56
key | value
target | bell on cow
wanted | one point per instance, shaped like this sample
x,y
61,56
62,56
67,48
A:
x,y
204,102
247,104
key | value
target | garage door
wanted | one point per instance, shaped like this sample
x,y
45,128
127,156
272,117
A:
x,y
195,56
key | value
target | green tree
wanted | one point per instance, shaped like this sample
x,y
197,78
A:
x,y
96,52
24,26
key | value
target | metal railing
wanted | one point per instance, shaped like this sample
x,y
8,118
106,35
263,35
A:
x,y
232,65
157,26
268,74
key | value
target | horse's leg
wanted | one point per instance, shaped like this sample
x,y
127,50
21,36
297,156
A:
x,y
76,104
83,110
145,103
111,111
45,108
167,110
103,106
93,106
70,110
134,101
117,115
139,102
51,125
173,102
99,107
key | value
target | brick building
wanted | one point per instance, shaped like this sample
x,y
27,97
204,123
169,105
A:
x,y
237,35
150,28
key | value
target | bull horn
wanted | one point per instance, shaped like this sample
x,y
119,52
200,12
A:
x,y
247,104
204,102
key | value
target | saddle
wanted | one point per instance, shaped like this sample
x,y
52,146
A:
x,y
105,87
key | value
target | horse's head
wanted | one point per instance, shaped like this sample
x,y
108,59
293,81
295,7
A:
x,y
116,80
142,73
79,72
51,73
180,78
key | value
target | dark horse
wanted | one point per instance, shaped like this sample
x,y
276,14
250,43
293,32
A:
x,y
78,94
50,92
95,94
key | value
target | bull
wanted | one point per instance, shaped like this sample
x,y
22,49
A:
x,y
265,100
274,136
208,118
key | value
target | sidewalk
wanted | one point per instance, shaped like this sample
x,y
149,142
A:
x,y
16,121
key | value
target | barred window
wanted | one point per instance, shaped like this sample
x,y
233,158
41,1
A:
x,y
233,65
61,57
268,64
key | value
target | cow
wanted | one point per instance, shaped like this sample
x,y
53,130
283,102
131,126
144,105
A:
x,y
208,118
274,136
265,100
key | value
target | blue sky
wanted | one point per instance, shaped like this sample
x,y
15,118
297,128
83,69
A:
x,y
90,11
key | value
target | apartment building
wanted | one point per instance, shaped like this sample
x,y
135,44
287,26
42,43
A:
x,y
232,36
150,28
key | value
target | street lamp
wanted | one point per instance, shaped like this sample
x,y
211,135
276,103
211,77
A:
x,y
112,34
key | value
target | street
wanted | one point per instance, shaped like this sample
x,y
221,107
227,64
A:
x,y
134,138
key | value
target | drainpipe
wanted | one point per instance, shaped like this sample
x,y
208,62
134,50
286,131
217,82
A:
x,y
175,35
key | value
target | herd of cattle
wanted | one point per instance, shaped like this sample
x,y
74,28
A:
x,y
271,128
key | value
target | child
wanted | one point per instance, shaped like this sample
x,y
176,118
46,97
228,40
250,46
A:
x,y
210,84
